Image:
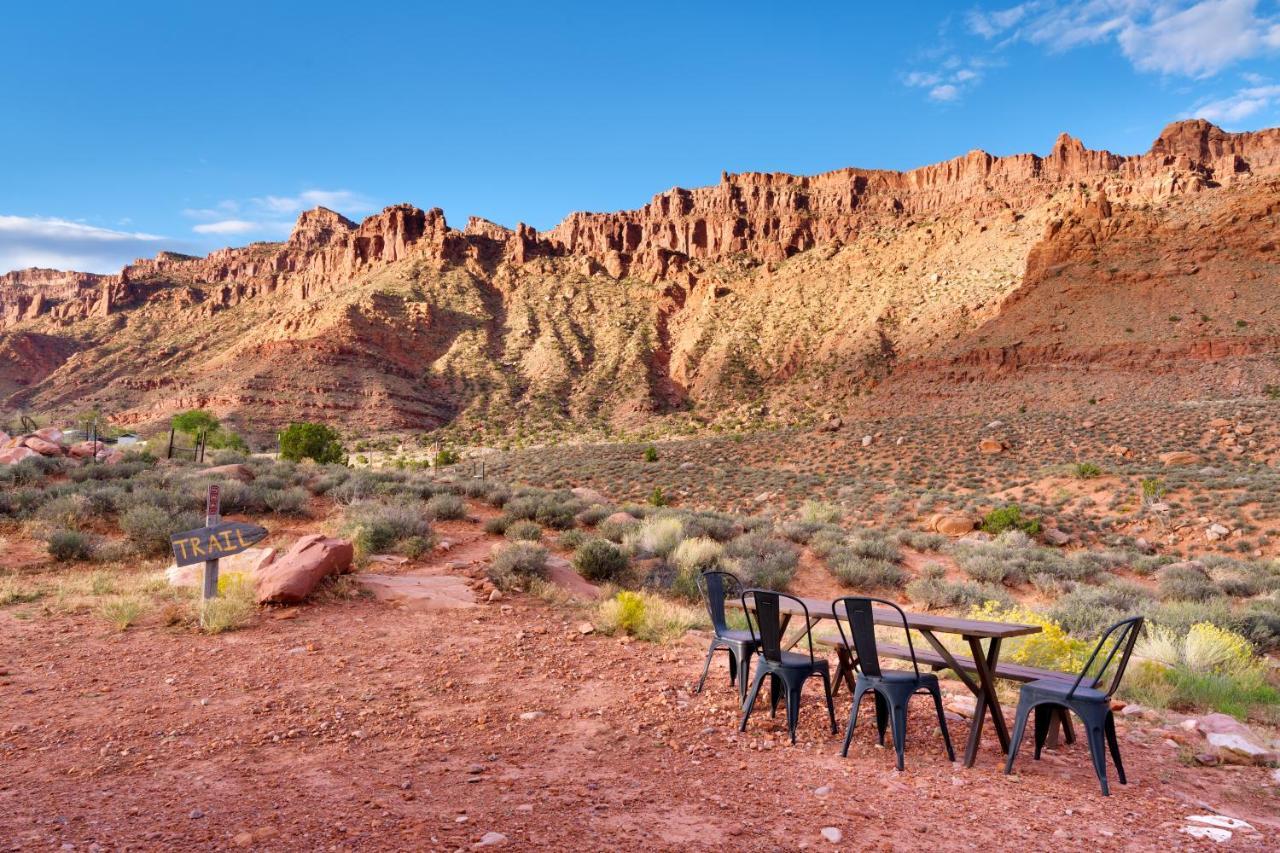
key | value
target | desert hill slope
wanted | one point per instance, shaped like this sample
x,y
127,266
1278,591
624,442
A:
x,y
1022,280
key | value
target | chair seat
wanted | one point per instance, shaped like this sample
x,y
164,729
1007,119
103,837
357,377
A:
x,y
1053,688
734,635
797,660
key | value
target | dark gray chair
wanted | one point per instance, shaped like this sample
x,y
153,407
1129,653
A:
x,y
786,670
715,588
1083,697
892,688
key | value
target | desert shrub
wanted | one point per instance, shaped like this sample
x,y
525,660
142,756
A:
x,y
67,511
600,560
645,616
762,561
513,565
558,514
711,525
14,591
311,441
233,608
920,540
1052,648
475,489
523,508
1186,581
651,454
1086,470
658,497
1009,517
638,511
333,476
290,501
933,590
148,526
497,525
443,507
1087,611
594,514
497,494
67,545
121,611
865,573
828,539
815,512
616,531
1205,667
26,473
1011,558
874,545
1204,648
691,558
571,539
655,537
800,532
375,527
523,531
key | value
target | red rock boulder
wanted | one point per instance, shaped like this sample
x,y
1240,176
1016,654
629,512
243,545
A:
x,y
14,455
49,434
295,575
86,449
42,446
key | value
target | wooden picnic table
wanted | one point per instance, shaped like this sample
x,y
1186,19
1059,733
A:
x,y
928,625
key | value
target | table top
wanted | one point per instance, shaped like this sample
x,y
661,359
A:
x,y
820,608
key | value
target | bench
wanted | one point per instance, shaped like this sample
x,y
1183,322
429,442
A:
x,y
927,657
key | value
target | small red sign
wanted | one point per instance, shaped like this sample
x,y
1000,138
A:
x,y
213,506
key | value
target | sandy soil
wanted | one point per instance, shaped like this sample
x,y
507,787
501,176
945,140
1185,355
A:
x,y
359,725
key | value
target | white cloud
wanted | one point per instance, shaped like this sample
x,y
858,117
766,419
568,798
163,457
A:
x,y
38,241
1175,37
262,215
228,226
951,79
945,92
1243,104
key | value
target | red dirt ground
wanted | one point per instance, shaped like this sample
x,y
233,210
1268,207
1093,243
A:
x,y
356,725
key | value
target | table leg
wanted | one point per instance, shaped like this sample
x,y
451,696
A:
x,y
985,664
844,672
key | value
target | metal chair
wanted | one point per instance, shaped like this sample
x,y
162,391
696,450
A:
x,y
1082,696
892,688
787,670
740,645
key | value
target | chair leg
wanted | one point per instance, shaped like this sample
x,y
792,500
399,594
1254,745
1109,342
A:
x,y
775,695
793,705
898,710
882,716
936,692
1044,719
744,673
733,667
853,721
1114,743
1019,729
755,691
706,667
1098,752
829,688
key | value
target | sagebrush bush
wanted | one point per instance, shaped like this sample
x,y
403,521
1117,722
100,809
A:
x,y
67,545
375,527
657,536
523,531
594,514
497,525
933,590
865,573
815,512
513,565
616,531
1087,611
1187,581
762,561
287,501
711,525
148,526
445,507
66,511
600,560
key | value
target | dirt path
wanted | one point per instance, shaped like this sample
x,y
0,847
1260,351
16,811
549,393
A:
x,y
362,726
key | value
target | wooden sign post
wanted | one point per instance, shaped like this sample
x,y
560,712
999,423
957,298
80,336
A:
x,y
212,517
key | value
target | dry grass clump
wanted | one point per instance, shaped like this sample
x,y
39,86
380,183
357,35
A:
x,y
645,616
233,608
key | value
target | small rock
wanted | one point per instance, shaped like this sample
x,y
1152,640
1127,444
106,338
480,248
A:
x,y
586,628
491,839
196,814
533,715
243,839
1054,536
866,441
496,595
991,446
823,791
832,834
1179,457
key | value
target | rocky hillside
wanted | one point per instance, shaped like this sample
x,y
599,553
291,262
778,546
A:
x,y
1032,280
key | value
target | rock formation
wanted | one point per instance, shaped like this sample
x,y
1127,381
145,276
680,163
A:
x,y
801,292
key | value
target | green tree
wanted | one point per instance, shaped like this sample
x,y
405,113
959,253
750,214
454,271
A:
x,y
311,441
195,421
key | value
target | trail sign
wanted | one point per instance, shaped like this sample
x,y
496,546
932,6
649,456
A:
x,y
214,542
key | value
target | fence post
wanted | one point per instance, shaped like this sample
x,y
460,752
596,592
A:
x,y
169,455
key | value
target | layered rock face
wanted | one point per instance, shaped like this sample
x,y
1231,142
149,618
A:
x,y
787,294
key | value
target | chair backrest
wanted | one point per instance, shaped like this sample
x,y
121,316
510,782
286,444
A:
x,y
715,588
857,610
765,606
1118,639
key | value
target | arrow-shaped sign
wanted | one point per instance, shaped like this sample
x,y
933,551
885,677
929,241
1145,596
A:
x,y
212,543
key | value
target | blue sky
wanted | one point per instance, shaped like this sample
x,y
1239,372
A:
x,y
134,127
